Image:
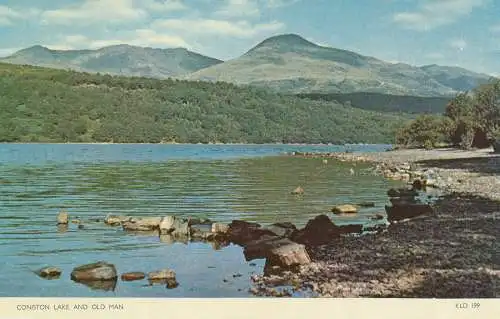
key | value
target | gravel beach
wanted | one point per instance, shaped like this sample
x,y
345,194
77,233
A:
x,y
452,253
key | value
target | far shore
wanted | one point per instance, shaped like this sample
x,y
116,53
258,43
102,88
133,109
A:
x,y
173,143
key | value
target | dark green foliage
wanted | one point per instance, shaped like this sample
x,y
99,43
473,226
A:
x,y
385,102
471,119
47,105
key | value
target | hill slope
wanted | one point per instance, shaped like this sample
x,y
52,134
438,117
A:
x,y
118,60
289,63
50,105
385,102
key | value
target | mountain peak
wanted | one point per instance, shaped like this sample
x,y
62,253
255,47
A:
x,y
289,40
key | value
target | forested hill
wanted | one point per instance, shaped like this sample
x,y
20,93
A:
x,y
49,105
385,102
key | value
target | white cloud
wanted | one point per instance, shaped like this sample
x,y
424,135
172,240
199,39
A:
x,y
8,51
459,44
238,29
139,37
163,5
95,11
436,13
495,28
279,3
7,15
238,8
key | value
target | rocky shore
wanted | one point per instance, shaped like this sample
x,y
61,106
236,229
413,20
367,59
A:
x,y
451,253
445,248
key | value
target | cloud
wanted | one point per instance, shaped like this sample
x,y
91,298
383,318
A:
x,y
459,44
95,11
238,29
279,3
8,15
8,51
495,28
139,37
163,5
432,14
238,8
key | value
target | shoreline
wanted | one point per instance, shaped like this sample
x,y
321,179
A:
x,y
448,254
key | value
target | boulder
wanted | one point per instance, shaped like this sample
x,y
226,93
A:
x,y
164,274
298,191
241,232
282,229
115,220
405,211
289,255
201,232
345,209
171,225
97,271
131,276
62,218
142,224
49,272
219,228
318,231
261,248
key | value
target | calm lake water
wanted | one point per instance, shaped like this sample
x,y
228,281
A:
x,y
221,182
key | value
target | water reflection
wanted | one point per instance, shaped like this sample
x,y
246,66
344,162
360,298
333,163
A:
x,y
107,285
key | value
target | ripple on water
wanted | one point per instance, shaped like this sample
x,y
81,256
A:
x,y
222,184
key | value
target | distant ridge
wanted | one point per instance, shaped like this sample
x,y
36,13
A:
x,y
291,64
122,59
286,63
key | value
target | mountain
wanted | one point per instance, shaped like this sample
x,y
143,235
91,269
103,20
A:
x,y
117,60
284,63
291,64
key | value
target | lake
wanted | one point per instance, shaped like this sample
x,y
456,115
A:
x,y
220,182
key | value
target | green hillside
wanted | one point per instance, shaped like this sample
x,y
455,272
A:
x,y
385,102
49,105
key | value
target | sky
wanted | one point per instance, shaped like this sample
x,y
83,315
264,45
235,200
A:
x,y
463,33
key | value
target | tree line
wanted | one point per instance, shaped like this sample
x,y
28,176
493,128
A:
x,y
470,120
47,105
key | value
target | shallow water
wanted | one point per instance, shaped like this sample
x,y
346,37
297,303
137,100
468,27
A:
x,y
221,182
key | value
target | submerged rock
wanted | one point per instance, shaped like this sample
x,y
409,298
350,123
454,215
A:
x,y
171,225
62,218
49,272
115,220
345,209
298,191
142,224
96,271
